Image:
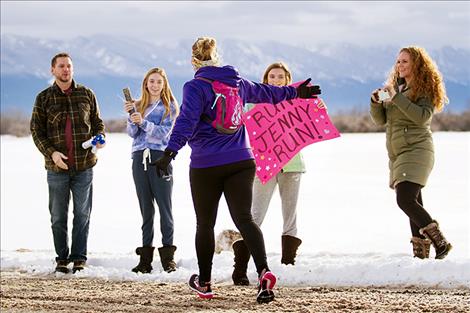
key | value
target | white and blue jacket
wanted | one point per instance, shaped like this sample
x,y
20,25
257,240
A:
x,y
154,132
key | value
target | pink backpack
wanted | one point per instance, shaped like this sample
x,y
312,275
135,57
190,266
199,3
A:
x,y
228,106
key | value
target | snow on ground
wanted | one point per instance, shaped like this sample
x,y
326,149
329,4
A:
x,y
353,233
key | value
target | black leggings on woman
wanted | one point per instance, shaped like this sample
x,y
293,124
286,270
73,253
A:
x,y
235,181
410,201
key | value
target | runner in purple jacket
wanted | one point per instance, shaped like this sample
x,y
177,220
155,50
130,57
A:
x,y
221,163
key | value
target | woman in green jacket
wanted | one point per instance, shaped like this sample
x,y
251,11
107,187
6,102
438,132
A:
x,y
413,92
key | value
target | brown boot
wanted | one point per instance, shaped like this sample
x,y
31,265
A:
x,y
242,256
440,243
289,249
78,265
421,247
146,258
166,257
62,266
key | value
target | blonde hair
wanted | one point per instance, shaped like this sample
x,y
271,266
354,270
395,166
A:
x,y
426,79
205,53
280,65
166,94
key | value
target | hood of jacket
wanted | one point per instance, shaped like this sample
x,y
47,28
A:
x,y
225,74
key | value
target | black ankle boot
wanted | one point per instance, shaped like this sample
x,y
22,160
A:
x,y
290,244
146,258
166,257
242,256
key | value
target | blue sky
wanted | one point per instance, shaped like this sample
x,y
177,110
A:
x,y
431,24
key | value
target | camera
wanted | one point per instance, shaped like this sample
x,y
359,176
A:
x,y
383,95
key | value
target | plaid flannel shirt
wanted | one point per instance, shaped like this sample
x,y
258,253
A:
x,y
48,124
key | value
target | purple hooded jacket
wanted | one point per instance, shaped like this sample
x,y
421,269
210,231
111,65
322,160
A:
x,y
209,147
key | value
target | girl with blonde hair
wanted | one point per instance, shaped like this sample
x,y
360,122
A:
x,y
149,124
413,93
222,163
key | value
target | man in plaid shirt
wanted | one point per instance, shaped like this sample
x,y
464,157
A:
x,y
64,116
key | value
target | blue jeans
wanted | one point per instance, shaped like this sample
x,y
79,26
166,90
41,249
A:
x,y
150,188
60,187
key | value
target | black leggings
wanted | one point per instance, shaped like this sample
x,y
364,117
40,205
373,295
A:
x,y
235,181
410,201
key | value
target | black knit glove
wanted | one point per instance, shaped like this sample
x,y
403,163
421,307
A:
x,y
163,163
304,91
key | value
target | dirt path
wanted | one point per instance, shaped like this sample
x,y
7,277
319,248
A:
x,y
23,293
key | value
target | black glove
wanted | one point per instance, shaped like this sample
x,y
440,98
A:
x,y
163,163
304,91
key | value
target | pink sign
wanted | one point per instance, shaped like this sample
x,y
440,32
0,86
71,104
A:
x,y
278,132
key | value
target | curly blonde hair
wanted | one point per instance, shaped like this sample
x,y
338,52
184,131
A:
x,y
166,95
205,53
280,65
426,79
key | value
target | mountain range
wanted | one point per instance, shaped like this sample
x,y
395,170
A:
x,y
346,73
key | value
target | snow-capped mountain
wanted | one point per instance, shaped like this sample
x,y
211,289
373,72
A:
x,y
347,73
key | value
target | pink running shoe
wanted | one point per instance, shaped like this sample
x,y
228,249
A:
x,y
204,290
265,288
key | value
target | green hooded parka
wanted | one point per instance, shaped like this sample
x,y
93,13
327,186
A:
x,y
409,139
